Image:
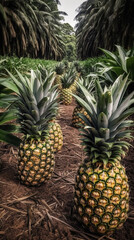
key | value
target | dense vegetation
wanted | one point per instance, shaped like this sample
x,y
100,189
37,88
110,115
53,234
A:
x,y
104,24
31,28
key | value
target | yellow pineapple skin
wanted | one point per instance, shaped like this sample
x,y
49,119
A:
x,y
55,135
36,162
58,81
76,120
66,96
73,87
101,199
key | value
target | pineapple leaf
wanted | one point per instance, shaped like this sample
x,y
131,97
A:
x,y
7,116
122,56
116,122
10,128
110,55
119,91
124,105
9,138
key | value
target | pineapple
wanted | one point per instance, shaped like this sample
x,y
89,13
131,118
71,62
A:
x,y
76,119
101,200
37,105
73,74
55,135
67,80
60,68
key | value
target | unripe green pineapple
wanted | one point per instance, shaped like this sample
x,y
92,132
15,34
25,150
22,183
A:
x,y
101,200
37,105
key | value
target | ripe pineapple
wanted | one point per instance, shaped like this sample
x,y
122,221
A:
x,y
76,119
101,199
60,68
66,92
37,106
73,74
55,135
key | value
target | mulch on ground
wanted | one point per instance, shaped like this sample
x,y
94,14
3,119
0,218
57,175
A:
x,y
45,212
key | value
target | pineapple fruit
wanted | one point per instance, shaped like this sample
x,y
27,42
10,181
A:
x,y
76,119
73,74
36,161
101,200
60,68
67,81
37,106
55,135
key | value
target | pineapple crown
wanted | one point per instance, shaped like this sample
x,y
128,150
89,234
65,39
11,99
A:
x,y
108,129
59,69
36,102
66,63
69,77
46,73
78,66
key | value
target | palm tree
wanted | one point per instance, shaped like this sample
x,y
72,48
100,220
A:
x,y
31,28
103,24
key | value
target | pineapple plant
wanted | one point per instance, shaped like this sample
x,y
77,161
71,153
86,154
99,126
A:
x,y
78,67
55,132
101,200
76,120
73,74
60,68
37,106
67,82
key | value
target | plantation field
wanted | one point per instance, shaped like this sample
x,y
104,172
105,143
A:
x,y
46,212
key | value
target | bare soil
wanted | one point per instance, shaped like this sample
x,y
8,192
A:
x,y
45,212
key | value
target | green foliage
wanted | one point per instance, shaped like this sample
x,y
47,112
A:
x,y
119,62
87,83
7,129
69,40
89,65
22,64
111,65
102,24
31,29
